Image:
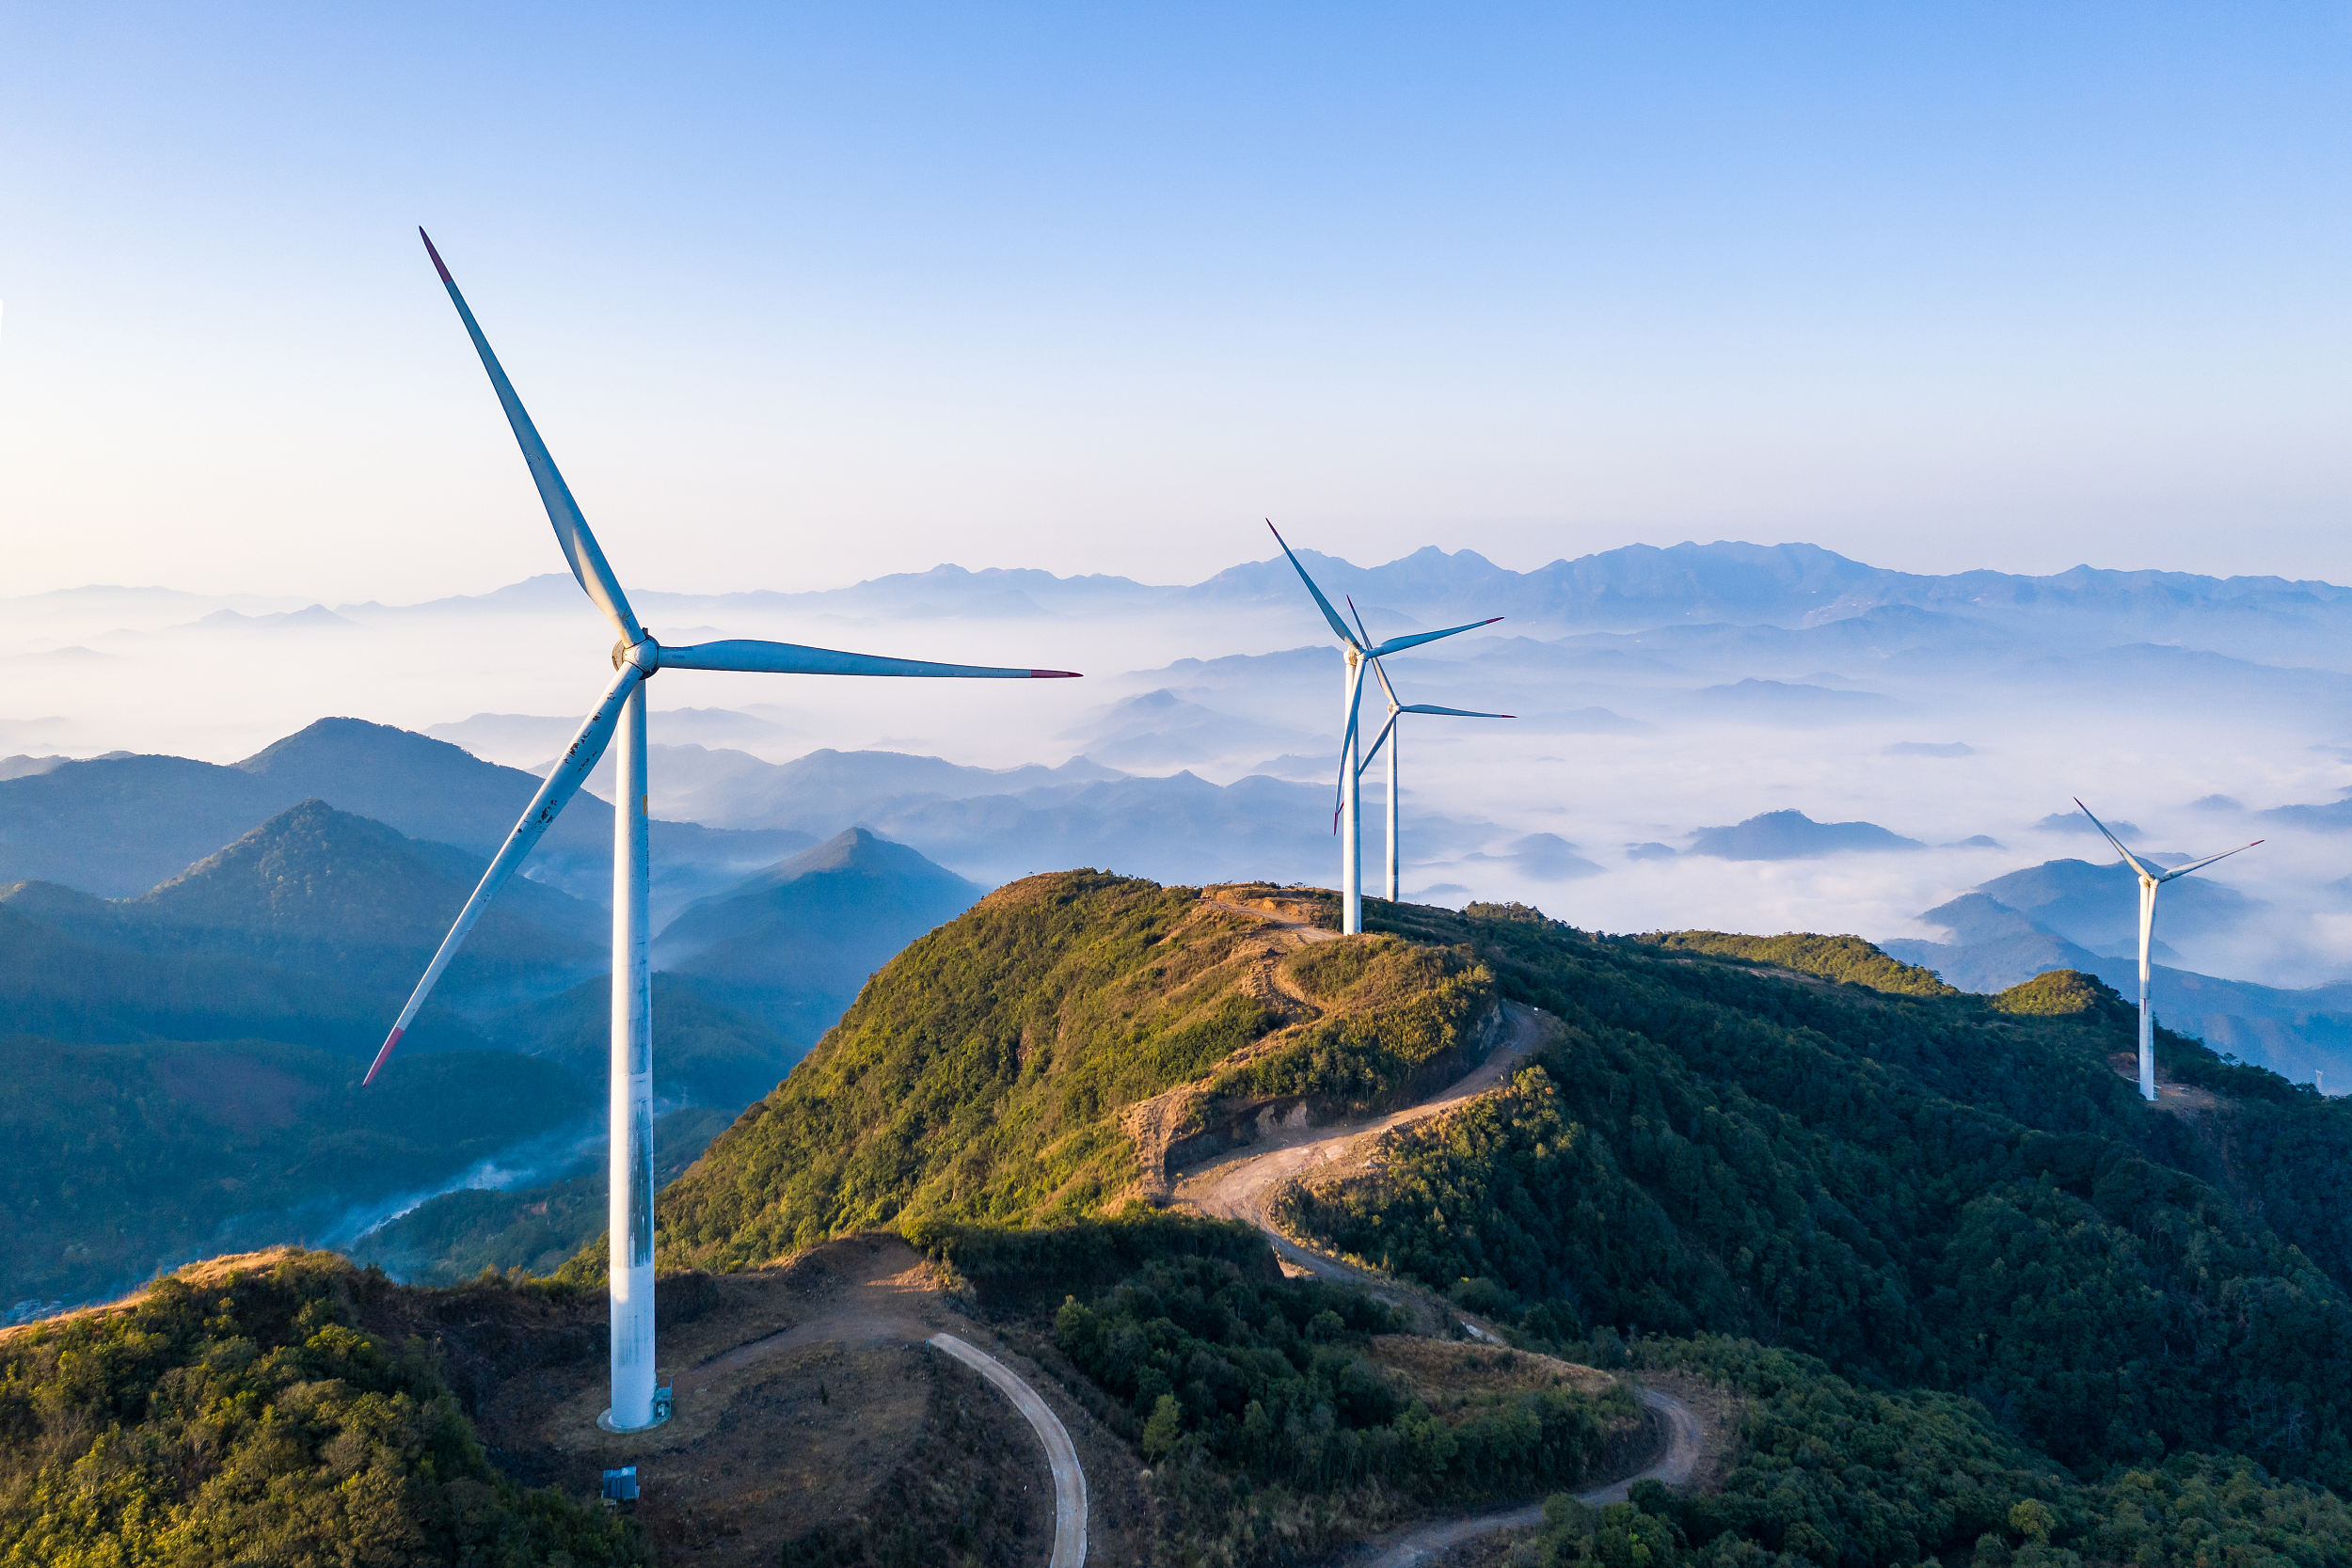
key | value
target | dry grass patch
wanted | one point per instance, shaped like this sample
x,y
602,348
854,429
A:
x,y
1454,1378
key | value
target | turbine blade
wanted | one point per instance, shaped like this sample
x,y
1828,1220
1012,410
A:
x,y
1358,613
571,529
2112,839
789,658
1379,740
579,758
1397,645
2199,865
1325,604
1376,669
1355,707
1454,712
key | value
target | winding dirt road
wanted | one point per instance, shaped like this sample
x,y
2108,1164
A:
x,y
1070,1479
1240,1186
1685,1439
888,1291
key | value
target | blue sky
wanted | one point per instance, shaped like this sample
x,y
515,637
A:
x,y
800,295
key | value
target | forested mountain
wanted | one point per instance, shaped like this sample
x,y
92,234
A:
x,y
276,1409
130,1157
189,1055
115,826
796,943
1982,1303
313,891
319,889
989,1071
1955,1202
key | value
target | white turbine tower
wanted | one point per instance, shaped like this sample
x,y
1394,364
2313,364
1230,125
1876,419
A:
x,y
2148,882
622,711
1348,820
1393,737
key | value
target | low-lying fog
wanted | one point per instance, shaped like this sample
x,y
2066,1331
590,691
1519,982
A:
x,y
1966,728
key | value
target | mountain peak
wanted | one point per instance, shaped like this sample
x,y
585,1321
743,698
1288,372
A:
x,y
819,922
316,876
1788,835
856,850
344,742
281,872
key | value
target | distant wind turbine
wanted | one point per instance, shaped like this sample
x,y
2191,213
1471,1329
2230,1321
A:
x,y
1392,736
1348,820
636,1403
2148,882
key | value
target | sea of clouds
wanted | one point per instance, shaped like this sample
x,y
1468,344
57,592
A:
x,y
1639,724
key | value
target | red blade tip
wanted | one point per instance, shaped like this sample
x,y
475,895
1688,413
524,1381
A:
x,y
1054,676
437,259
377,1066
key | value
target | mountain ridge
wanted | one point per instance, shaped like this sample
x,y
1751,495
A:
x,y
118,826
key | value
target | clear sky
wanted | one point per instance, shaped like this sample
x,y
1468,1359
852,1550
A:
x,y
801,294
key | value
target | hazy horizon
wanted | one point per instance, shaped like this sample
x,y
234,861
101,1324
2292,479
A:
x,y
806,297
1625,738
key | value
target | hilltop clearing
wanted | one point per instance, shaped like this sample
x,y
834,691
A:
x,y
285,1407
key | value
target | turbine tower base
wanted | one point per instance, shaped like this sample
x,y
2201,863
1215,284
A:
x,y
661,1413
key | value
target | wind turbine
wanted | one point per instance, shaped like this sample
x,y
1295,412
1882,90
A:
x,y
2148,882
1393,738
621,713
1348,820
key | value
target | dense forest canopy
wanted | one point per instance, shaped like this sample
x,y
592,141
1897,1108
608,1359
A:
x,y
268,1411
1943,1191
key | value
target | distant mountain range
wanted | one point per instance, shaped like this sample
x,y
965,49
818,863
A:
x,y
994,825
1639,586
116,826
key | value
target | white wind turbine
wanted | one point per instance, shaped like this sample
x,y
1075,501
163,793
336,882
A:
x,y
636,1403
2148,882
1393,737
1349,818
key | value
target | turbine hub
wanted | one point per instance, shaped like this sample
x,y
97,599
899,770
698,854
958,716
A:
x,y
645,653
